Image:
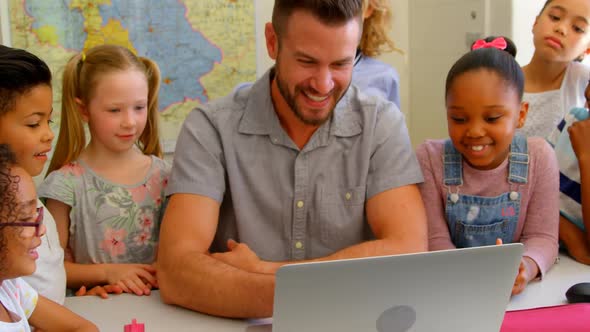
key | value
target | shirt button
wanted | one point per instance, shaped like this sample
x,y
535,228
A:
x,y
274,140
348,196
300,204
298,245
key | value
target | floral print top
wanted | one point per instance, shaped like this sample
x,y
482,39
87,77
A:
x,y
109,222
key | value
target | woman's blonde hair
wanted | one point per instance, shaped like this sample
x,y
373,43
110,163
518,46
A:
x,y
375,39
80,78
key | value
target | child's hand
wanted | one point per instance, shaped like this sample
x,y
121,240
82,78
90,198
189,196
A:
x,y
579,133
101,291
521,279
527,271
132,278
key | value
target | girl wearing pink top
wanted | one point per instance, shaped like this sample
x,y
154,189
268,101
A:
x,y
485,183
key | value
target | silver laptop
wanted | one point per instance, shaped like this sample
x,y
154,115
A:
x,y
448,291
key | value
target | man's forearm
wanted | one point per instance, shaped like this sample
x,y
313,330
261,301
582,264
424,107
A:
x,y
199,282
366,249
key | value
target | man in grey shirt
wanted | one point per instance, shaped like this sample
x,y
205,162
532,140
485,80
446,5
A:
x,y
297,167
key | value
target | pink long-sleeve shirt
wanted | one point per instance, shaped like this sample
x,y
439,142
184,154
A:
x,y
538,222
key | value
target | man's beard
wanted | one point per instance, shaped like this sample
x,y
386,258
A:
x,y
290,100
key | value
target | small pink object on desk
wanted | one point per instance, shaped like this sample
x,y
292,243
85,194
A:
x,y
134,327
562,318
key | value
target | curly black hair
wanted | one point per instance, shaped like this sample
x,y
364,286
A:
x,y
8,195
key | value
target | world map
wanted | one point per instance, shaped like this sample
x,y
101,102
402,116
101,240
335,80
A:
x,y
203,47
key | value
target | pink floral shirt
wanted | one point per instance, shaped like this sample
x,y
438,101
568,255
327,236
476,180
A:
x,y
109,222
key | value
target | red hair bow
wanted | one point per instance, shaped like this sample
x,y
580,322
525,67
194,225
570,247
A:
x,y
499,43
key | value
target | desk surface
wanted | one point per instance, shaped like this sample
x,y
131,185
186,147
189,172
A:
x,y
551,290
113,313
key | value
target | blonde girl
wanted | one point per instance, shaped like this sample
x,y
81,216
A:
x,y
106,195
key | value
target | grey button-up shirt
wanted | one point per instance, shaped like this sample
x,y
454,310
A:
x,y
288,203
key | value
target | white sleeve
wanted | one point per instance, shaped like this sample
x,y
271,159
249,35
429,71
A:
x,y
27,296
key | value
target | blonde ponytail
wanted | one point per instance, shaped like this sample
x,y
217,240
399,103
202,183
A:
x,y
71,140
150,138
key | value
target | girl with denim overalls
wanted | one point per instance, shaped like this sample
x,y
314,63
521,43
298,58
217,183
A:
x,y
486,185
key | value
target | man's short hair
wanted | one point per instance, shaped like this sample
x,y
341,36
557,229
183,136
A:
x,y
329,12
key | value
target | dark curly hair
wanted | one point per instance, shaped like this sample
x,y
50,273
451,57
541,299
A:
x,y
8,196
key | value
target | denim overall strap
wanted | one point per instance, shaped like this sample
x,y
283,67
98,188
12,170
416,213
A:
x,y
452,165
518,163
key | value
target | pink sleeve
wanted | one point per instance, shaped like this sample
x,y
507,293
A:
x,y
541,224
438,231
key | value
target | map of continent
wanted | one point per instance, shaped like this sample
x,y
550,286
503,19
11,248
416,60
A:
x,y
203,47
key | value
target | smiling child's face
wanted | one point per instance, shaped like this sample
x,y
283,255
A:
x,y
20,242
26,128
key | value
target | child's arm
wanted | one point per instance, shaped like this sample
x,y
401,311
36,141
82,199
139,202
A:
x,y
527,270
439,237
541,222
580,137
132,278
575,240
61,215
50,316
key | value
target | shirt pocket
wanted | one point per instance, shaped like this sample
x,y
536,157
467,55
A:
x,y
342,216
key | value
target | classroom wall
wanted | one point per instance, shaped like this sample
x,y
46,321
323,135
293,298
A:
x,y
519,13
4,28
523,25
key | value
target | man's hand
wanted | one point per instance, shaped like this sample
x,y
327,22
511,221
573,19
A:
x,y
240,256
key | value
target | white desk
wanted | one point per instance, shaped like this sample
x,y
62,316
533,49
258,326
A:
x,y
551,290
113,313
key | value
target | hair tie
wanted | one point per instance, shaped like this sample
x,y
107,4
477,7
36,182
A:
x,y
499,43
83,56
